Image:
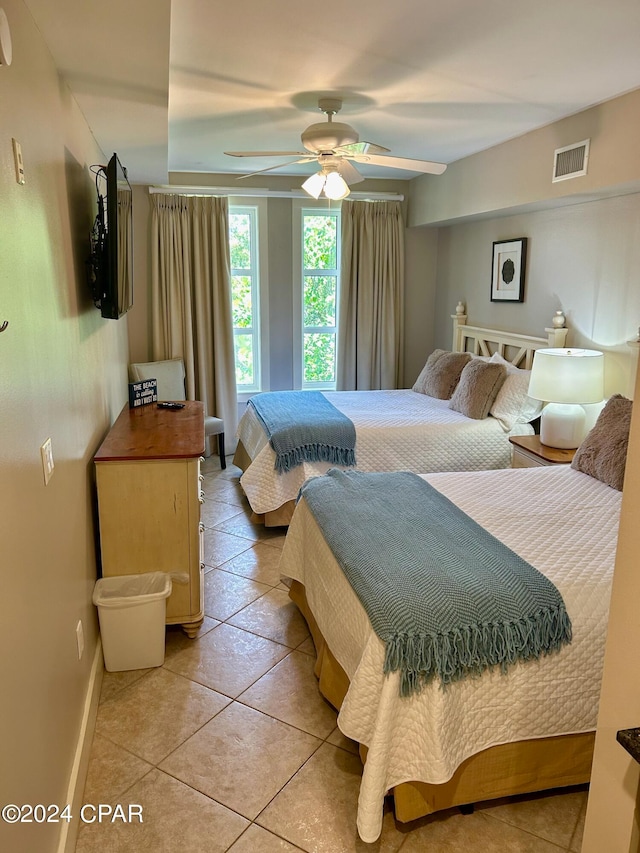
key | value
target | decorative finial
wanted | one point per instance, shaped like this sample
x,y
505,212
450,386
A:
x,y
460,308
558,320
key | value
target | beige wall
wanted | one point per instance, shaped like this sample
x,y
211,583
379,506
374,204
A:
x,y
518,173
583,258
62,375
583,234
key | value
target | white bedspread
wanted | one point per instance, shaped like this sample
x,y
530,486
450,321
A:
x,y
561,521
395,430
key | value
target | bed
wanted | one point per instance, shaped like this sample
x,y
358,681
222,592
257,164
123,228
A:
x,y
530,729
401,429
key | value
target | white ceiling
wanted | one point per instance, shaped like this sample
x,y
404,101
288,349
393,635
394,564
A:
x,y
170,85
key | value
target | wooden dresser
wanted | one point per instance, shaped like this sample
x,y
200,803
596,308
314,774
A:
x,y
149,496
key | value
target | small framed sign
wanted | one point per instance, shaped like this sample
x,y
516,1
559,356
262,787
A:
x,y
141,393
507,274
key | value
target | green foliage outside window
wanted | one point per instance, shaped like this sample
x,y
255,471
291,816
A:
x,y
244,359
241,296
320,242
320,253
320,282
240,230
320,300
240,240
319,357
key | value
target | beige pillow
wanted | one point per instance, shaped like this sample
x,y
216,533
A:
x,y
513,405
440,375
479,383
418,385
603,453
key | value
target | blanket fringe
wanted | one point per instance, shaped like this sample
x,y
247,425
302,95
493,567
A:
x,y
474,648
286,460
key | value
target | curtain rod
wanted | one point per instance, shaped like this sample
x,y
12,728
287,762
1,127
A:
x,y
256,192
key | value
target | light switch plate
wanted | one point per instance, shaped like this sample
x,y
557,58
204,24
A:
x,y
80,639
46,453
19,162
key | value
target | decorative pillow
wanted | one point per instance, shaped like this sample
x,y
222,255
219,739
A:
x,y
603,453
440,375
418,385
479,383
513,405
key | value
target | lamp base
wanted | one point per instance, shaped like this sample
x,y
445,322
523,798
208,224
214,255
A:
x,y
562,425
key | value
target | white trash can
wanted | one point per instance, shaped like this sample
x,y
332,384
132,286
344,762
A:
x,y
132,611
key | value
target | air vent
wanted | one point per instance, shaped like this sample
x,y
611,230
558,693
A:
x,y
570,161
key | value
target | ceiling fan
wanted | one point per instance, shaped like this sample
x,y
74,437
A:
x,y
335,146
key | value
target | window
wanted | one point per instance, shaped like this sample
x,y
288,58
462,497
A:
x,y
246,285
320,263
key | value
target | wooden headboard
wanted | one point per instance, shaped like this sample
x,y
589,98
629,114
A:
x,y
516,348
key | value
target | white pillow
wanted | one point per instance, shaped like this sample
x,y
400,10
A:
x,y
513,405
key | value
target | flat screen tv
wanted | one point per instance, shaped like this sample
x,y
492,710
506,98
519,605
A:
x,y
111,260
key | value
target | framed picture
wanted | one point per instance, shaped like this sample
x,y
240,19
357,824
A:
x,y
507,274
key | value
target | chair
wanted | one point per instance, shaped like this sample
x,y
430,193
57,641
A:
x,y
170,377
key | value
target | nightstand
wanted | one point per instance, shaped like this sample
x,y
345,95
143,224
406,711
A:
x,y
528,451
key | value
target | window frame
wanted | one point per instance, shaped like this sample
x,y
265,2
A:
x,y
257,209
300,207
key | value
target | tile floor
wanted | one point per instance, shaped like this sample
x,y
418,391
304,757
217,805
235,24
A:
x,y
230,747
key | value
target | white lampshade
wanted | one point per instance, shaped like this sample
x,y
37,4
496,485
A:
x,y
315,184
567,376
336,186
564,379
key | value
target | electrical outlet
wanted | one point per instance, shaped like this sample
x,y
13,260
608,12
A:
x,y
46,452
80,638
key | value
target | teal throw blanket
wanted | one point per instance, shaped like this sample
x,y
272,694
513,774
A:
x,y
448,599
303,426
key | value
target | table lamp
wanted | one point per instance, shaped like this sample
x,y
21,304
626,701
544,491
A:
x,y
565,379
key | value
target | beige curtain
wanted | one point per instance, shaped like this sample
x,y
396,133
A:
x,y
191,298
370,316
125,250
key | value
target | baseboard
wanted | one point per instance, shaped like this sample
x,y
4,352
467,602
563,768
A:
x,y
69,829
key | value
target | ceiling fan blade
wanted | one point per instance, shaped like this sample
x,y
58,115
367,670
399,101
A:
x,y
425,166
277,166
349,172
362,148
265,153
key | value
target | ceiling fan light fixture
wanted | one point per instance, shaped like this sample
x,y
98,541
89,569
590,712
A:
x,y
315,184
327,135
336,187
